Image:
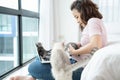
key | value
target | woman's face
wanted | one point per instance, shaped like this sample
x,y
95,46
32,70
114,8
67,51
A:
x,y
76,14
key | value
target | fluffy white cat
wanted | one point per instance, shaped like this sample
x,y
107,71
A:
x,y
61,67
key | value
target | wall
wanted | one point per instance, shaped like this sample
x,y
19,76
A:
x,y
57,23
65,24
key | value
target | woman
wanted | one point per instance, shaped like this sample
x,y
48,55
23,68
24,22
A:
x,y
93,35
93,30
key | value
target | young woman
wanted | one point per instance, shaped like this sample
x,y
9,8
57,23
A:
x,y
93,36
93,30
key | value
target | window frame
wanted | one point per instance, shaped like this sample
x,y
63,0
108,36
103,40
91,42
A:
x,y
20,13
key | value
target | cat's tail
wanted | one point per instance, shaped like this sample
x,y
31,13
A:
x,y
75,66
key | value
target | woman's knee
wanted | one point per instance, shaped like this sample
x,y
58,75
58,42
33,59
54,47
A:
x,y
40,70
38,67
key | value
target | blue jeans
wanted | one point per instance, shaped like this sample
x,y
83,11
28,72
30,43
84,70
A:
x,y
43,71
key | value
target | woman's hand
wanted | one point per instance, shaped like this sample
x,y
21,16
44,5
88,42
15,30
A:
x,y
79,44
71,50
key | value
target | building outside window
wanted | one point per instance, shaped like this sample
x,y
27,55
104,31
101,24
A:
x,y
8,43
30,37
19,23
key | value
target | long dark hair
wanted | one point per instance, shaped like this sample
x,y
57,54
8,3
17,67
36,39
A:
x,y
87,9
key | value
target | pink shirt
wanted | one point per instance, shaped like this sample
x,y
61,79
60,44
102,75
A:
x,y
93,27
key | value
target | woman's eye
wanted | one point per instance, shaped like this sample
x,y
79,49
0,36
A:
x,y
76,17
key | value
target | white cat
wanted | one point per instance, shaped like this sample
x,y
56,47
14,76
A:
x,y
61,67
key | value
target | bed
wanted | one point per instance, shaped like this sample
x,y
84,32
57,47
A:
x,y
105,64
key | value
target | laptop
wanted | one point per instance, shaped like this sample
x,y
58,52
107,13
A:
x,y
46,60
44,55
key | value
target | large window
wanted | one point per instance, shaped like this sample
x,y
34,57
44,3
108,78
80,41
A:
x,y
19,22
8,43
9,3
32,6
30,37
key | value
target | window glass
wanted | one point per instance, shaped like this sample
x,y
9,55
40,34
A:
x,y
8,43
31,5
9,3
30,37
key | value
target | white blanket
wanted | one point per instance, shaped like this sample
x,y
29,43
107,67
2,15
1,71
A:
x,y
104,65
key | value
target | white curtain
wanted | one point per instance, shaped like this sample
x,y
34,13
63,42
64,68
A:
x,y
110,10
46,23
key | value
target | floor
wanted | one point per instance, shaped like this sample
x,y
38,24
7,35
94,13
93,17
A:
x,y
22,71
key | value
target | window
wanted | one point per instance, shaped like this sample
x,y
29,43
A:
x,y
30,37
32,6
19,22
9,3
8,43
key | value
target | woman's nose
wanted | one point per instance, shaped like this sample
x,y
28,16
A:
x,y
78,21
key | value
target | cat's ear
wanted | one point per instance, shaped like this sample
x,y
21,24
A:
x,y
36,44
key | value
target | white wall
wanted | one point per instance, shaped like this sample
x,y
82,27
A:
x,y
57,22
65,24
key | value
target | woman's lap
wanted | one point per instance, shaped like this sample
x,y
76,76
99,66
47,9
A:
x,y
43,71
39,70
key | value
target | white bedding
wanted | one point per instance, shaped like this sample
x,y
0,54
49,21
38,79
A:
x,y
104,65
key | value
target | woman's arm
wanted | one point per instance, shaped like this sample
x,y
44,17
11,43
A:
x,y
95,41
